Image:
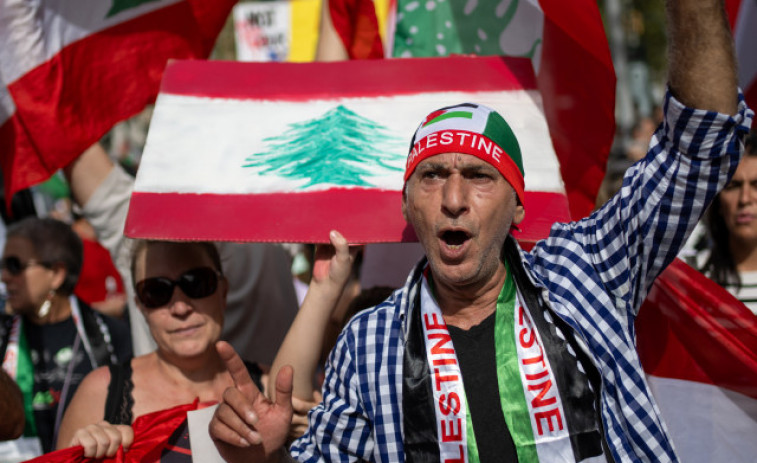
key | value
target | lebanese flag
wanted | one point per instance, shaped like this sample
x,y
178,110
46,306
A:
x,y
698,347
289,151
565,42
69,70
745,38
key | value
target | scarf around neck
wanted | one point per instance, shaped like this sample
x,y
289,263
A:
x,y
547,382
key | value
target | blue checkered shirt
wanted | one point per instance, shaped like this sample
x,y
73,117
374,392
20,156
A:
x,y
594,274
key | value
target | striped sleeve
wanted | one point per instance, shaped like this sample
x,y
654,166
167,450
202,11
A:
x,y
621,248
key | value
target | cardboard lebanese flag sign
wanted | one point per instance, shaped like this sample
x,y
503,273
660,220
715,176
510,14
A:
x,y
69,70
698,346
288,152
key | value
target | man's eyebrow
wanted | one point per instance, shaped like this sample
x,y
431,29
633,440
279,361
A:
x,y
478,167
430,165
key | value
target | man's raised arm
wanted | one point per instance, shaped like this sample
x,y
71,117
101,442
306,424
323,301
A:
x,y
702,64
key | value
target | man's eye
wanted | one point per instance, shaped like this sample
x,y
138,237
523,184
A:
x,y
730,186
430,175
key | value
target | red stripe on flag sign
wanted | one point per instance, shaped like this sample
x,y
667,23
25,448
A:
x,y
361,215
285,81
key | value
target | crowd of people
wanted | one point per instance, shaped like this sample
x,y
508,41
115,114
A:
x,y
487,351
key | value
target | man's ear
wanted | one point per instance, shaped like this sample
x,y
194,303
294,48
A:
x,y
404,203
520,213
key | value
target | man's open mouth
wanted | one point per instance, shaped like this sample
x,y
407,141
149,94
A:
x,y
454,238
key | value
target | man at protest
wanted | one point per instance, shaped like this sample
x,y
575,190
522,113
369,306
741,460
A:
x,y
542,363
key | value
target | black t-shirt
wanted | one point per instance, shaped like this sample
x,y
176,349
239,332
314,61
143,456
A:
x,y
476,356
54,358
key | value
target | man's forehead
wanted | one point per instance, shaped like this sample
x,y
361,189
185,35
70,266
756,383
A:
x,y
456,160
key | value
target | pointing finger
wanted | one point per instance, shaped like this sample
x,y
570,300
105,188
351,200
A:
x,y
237,369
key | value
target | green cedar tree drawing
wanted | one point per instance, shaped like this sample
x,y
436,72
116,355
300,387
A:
x,y
338,148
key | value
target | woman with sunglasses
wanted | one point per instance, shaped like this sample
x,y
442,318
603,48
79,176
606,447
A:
x,y
50,340
181,291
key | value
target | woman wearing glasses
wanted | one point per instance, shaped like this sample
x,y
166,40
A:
x,y
181,291
727,253
51,340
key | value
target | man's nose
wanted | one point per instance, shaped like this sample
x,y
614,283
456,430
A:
x,y
454,196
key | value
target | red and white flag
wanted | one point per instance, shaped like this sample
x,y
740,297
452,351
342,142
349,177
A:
x,y
289,151
698,347
69,70
565,41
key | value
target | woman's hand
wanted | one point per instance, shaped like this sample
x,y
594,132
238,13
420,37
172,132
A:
x,y
103,439
333,263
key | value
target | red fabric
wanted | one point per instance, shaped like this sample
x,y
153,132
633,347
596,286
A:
x,y
690,328
283,82
151,435
67,103
732,10
750,94
97,266
357,25
577,82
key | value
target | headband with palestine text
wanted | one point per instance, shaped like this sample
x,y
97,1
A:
x,y
469,128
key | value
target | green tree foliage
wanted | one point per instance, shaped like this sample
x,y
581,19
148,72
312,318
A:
x,y
338,148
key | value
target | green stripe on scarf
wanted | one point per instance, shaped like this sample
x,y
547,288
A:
x,y
511,395
471,436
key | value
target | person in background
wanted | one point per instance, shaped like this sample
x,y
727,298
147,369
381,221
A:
x,y
181,292
261,303
729,254
53,339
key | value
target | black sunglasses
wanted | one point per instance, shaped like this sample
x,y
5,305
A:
x,y
196,283
14,266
